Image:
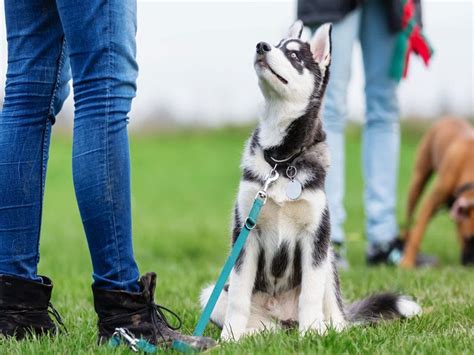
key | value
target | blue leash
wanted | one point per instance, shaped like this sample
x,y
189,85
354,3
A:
x,y
122,335
248,226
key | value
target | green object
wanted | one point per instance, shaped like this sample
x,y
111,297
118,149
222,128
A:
x,y
409,40
397,67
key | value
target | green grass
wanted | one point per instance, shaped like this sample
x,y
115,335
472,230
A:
x,y
183,190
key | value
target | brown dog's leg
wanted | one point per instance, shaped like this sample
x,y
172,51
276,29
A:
x,y
432,203
422,171
443,187
445,184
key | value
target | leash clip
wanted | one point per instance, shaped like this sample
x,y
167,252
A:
x,y
272,176
128,337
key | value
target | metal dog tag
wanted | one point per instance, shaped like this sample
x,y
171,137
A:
x,y
293,189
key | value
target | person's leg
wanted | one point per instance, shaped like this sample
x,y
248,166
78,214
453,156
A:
x,y
101,48
381,130
36,88
344,34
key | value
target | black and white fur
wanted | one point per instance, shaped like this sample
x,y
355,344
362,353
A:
x,y
286,275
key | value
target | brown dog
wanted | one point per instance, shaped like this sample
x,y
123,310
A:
x,y
447,149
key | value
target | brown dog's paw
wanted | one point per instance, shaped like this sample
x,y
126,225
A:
x,y
406,263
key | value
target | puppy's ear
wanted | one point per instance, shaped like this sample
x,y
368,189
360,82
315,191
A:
x,y
321,45
295,30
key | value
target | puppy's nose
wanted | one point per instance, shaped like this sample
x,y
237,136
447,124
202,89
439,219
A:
x,y
263,47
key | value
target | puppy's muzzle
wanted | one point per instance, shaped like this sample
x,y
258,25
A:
x,y
263,47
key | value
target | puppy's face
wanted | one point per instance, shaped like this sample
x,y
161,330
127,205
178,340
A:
x,y
293,70
463,214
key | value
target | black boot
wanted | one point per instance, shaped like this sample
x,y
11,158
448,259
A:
x,y
392,254
138,313
24,307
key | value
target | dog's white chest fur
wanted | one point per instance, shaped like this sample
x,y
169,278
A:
x,y
281,226
280,214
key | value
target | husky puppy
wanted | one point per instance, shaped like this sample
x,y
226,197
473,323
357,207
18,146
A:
x,y
285,275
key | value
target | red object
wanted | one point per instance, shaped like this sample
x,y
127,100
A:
x,y
408,12
416,42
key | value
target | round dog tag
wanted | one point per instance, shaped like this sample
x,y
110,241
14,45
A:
x,y
293,189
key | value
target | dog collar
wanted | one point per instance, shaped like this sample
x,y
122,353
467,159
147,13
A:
x,y
458,192
286,166
283,162
463,188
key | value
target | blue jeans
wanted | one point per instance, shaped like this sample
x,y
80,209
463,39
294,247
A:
x,y
48,40
381,134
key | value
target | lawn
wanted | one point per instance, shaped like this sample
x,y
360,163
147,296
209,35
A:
x,y
183,190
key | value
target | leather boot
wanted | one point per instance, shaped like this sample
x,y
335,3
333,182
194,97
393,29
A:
x,y
138,313
24,307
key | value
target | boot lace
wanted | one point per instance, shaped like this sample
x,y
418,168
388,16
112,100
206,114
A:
x,y
54,312
159,318
30,315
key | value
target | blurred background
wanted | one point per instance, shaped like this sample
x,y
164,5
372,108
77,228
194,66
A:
x,y
196,66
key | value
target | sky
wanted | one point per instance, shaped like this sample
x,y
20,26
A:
x,y
196,57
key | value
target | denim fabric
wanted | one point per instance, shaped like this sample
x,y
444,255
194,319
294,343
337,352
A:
x,y
48,41
381,134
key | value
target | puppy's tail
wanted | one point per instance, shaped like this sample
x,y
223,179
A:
x,y
383,306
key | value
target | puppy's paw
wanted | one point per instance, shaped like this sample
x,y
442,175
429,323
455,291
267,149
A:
x,y
228,334
339,326
318,327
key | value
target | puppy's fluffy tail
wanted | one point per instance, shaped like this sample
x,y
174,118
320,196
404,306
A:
x,y
370,310
383,306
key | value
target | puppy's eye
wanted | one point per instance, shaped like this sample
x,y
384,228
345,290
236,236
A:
x,y
294,55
